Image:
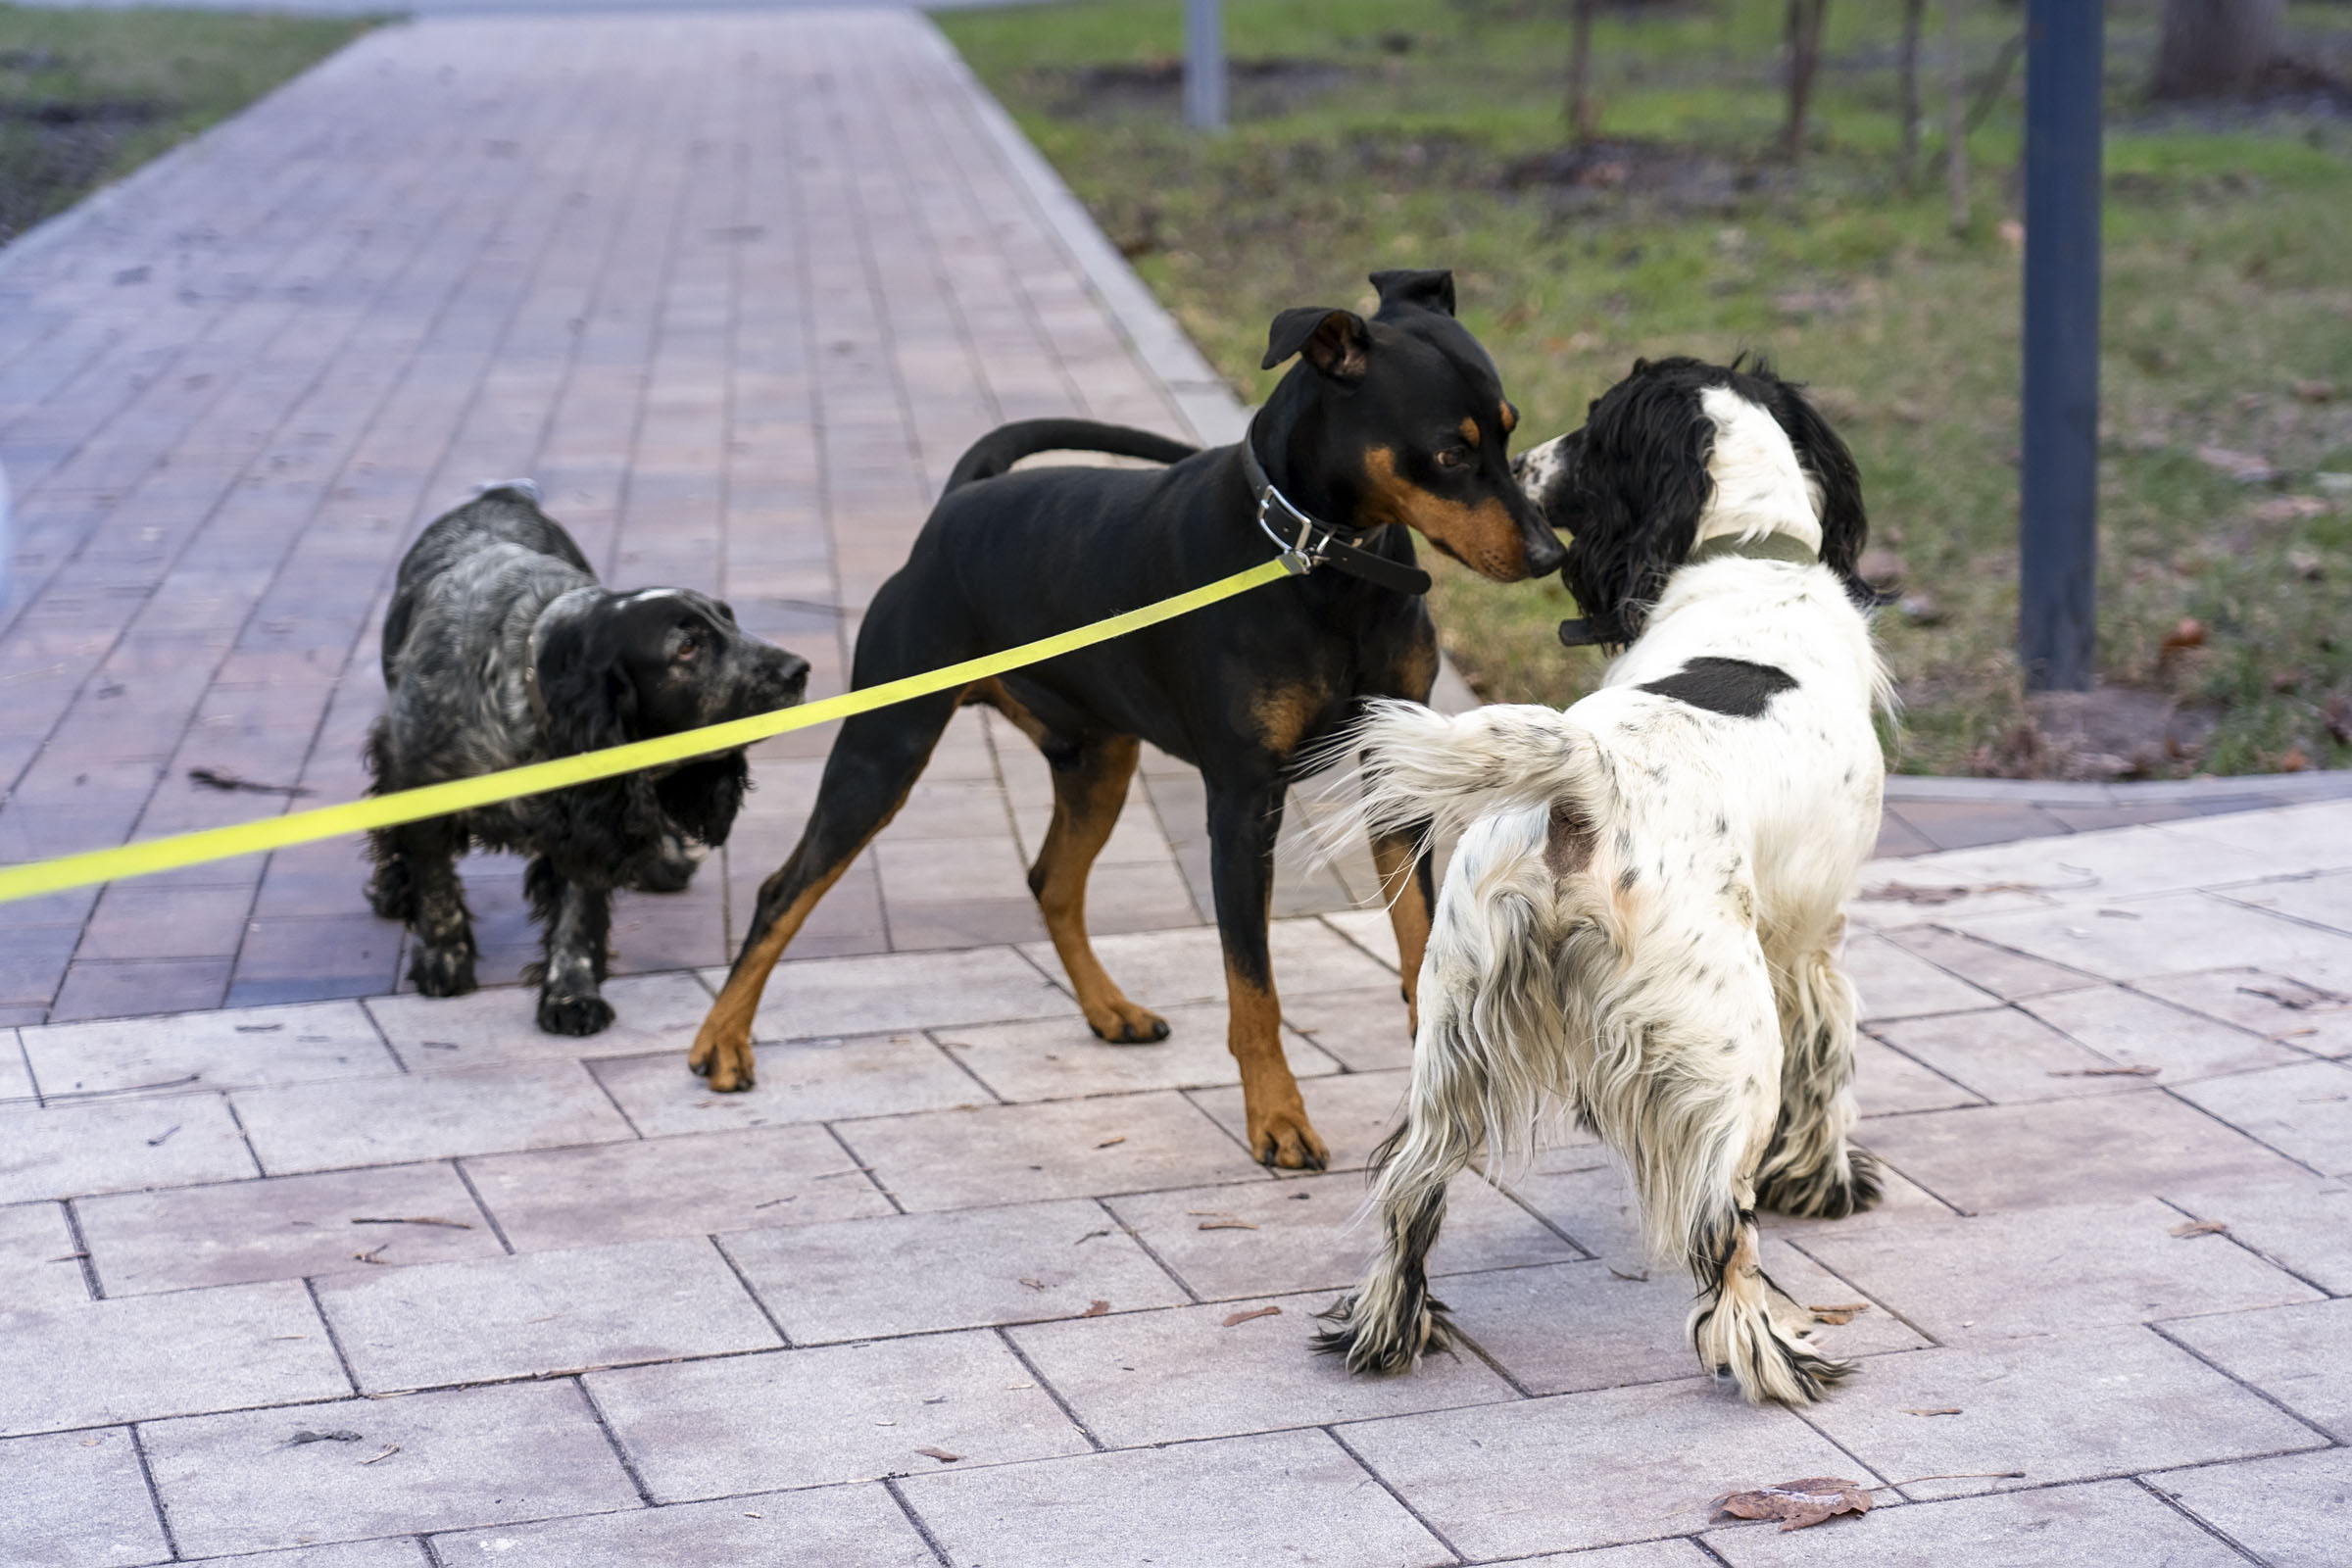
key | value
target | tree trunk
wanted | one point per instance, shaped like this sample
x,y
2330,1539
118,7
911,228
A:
x,y
2215,48
1907,88
1806,19
1955,118
1580,73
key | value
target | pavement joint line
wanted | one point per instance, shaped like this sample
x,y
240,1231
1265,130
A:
x,y
155,1493
1136,1235
334,1342
2327,1439
620,1453
498,1232
1003,1337
718,1245
2147,1485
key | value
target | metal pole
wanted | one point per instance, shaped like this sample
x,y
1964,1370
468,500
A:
x,y
2058,510
1204,64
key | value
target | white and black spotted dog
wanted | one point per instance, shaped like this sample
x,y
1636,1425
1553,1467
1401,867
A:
x,y
1642,921
502,649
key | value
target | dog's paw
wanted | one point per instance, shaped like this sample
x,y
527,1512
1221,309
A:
x,y
724,1060
442,971
573,1015
391,895
1123,1023
671,873
1377,1344
1284,1139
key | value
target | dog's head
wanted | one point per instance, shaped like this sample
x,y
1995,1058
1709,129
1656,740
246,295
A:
x,y
1402,420
621,667
1682,450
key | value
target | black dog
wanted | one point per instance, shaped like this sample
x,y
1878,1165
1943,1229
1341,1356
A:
x,y
1389,424
500,648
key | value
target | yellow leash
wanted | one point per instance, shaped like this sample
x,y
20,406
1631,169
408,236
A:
x,y
487,789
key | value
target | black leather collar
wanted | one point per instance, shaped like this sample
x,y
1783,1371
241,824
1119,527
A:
x,y
1318,543
1770,547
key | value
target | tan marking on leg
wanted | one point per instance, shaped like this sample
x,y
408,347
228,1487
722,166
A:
x,y
1277,1129
1086,808
1392,858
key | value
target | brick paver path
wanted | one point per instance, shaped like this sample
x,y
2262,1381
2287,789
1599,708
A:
x,y
369,1280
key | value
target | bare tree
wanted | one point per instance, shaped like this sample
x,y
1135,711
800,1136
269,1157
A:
x,y
1955,117
1907,88
2215,48
1805,17
1579,72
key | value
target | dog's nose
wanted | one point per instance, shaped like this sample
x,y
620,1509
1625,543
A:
x,y
1546,554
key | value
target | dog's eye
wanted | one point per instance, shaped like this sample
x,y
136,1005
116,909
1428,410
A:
x,y
689,646
1453,456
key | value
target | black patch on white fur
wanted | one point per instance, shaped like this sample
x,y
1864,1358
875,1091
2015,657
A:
x,y
1735,687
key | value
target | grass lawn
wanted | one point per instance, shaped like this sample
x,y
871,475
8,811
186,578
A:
x,y
1382,132
87,96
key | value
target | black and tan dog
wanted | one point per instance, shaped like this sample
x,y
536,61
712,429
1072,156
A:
x,y
1389,424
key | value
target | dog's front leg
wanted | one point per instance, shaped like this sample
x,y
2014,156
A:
x,y
1243,822
438,919
577,918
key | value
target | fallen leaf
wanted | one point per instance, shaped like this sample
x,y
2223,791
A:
x,y
1226,1224
1233,1319
374,1254
2201,1227
2247,468
1035,1285
1115,1138
1095,1309
1798,1503
2142,1070
2295,509
299,1439
391,1449
1841,1313
1913,893
1636,1275
2122,914
2314,391
941,1455
2294,762
1933,1409
2188,633
1090,1236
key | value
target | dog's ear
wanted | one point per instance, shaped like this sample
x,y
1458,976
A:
x,y
1336,343
589,700
1429,291
703,797
1845,526
1644,482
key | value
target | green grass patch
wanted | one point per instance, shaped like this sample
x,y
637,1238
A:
x,y
87,96
1378,133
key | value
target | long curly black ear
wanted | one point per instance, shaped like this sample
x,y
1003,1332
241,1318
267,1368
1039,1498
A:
x,y
703,797
1845,526
1336,343
589,700
1642,482
1401,286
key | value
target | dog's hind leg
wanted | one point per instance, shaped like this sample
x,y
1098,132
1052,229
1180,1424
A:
x,y
1090,785
1810,1170
438,919
577,918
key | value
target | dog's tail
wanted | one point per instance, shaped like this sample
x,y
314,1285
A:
x,y
1424,771
1008,444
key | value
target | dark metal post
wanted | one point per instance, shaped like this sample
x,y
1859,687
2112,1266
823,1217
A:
x,y
2058,514
1205,65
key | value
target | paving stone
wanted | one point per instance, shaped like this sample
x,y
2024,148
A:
x,y
2324,899
1367,1030
812,998
2170,934
390,1121
1893,983
818,1080
88,1363
2304,1111
1168,1376
1061,1059
108,1147
837,1412
2052,1270
666,1187
1285,1498
40,1262
1167,968
2303,1225
1888,1083
966,1268
838,1527
2277,1006
244,1047
2067,1152
2289,1510
286,1227
2007,1055
1062,1149
2298,1356
76,1500
385,1552
2141,1031
2006,974
1678,1553
1490,1480
539,1313
451,1459
2070,1408
1353,1111
1271,1238
653,1012
2056,1527
16,1077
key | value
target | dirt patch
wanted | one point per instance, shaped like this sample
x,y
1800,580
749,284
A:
x,y
1254,88
1675,177
2109,732
52,149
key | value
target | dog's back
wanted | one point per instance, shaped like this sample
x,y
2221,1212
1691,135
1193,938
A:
x,y
504,518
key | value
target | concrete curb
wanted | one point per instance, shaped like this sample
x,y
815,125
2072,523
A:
x,y
2254,790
